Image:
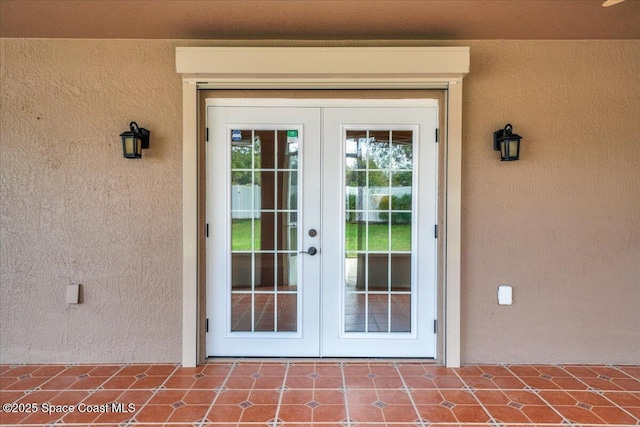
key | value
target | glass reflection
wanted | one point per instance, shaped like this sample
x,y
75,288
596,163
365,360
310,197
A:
x,y
264,204
378,215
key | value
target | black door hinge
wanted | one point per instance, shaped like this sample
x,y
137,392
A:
x,y
207,230
437,135
206,326
207,135
435,231
435,326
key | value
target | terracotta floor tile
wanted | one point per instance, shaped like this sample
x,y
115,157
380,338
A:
x,y
69,397
524,370
385,370
180,382
600,384
48,371
399,413
329,370
579,415
590,398
436,414
448,382
114,417
508,383
623,399
492,397
258,413
100,397
300,382
427,397
411,370
329,397
264,397
164,397
224,413
232,397
199,397
469,371
470,414
365,413
119,382
12,418
388,382
632,371
216,369
420,382
137,397
32,383
273,369
207,382
148,382
249,393
614,415
189,413
268,383
635,411
237,382
42,418
76,370
154,413
161,370
39,396
541,414
88,383
295,413
328,382
297,397
19,370
329,413
459,397
78,417
628,384
360,382
394,397
11,396
506,414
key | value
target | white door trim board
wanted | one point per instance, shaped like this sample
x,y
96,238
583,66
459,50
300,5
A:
x,y
323,68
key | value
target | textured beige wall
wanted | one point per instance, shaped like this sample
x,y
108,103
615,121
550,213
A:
x,y
73,209
561,225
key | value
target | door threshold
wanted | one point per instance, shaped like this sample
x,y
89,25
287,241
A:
x,y
222,359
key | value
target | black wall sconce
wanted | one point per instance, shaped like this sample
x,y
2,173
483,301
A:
x,y
134,141
507,142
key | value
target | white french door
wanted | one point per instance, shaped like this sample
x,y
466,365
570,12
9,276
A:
x,y
321,228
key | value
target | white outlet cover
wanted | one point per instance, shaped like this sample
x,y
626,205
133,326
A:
x,y
505,295
73,293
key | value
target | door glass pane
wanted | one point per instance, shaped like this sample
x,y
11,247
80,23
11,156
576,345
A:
x,y
400,313
378,222
264,212
287,312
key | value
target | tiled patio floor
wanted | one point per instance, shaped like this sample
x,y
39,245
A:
x,y
331,393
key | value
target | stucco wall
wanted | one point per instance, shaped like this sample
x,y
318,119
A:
x,y
561,225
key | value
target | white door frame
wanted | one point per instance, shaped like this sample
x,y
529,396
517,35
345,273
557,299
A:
x,y
323,68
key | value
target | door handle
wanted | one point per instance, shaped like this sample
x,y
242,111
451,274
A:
x,y
311,251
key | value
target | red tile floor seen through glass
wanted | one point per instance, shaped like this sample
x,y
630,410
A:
x,y
329,393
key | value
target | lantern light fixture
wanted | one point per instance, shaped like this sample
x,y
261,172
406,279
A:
x,y
507,142
134,140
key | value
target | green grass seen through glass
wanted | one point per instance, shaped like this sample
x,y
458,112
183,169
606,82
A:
x,y
378,236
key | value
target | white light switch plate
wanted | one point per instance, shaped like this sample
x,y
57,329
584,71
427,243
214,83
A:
x,y
505,295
